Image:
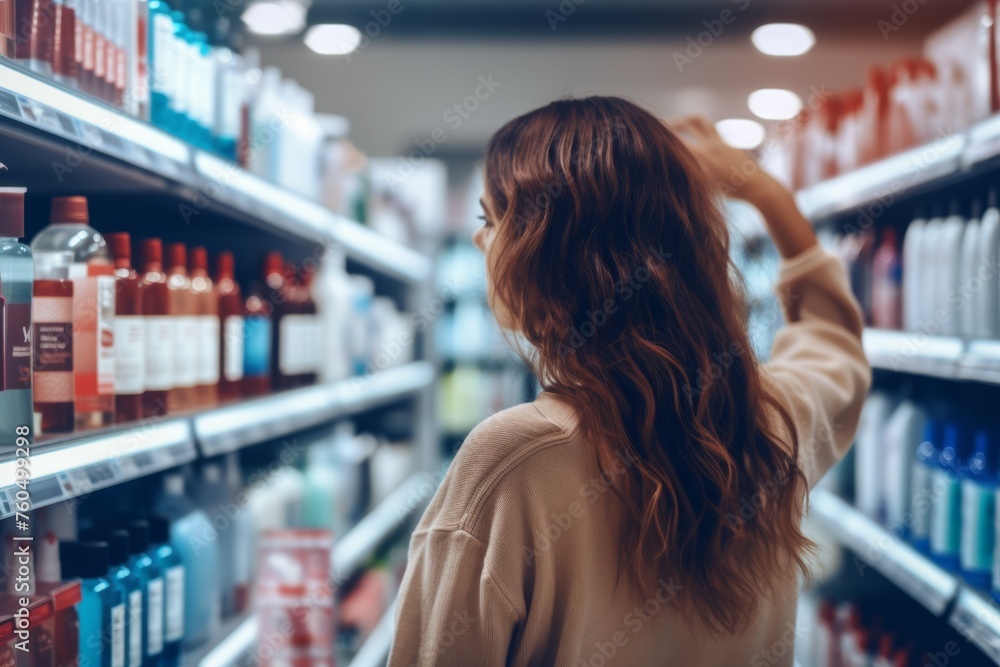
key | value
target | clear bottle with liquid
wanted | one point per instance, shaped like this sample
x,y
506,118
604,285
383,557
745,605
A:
x,y
16,411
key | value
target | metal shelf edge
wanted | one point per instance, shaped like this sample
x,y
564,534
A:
x,y
235,640
375,650
979,621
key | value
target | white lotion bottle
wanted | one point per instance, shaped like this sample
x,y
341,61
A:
x,y
987,300
928,275
948,264
912,271
967,271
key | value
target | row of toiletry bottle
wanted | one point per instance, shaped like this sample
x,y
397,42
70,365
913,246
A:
x,y
104,342
934,481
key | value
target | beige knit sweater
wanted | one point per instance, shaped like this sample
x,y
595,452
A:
x,y
515,560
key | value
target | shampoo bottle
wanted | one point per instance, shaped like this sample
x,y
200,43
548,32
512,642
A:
x,y
165,648
946,512
912,246
948,259
922,486
978,513
987,300
968,269
901,436
151,576
102,609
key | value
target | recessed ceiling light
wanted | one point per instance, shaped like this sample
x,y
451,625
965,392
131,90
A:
x,y
774,103
741,132
333,39
282,17
783,39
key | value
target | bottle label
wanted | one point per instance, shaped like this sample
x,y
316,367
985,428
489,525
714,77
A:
x,y
921,502
257,353
293,333
978,503
233,346
208,349
135,629
174,629
118,636
185,352
52,336
154,616
17,350
130,354
946,514
93,334
160,332
106,335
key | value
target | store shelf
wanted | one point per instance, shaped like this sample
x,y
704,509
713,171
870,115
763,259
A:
x,y
79,465
979,621
84,126
895,560
235,638
880,183
358,546
937,356
375,651
230,428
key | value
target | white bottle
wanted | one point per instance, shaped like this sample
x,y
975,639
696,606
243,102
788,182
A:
x,y
911,274
901,436
331,290
949,257
929,275
363,294
869,464
214,499
244,535
986,300
967,272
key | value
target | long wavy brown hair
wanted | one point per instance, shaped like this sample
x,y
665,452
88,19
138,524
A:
x,y
611,259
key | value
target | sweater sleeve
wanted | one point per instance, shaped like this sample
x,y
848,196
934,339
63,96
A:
x,y
818,366
450,610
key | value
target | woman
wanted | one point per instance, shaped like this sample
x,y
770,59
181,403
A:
x,y
645,509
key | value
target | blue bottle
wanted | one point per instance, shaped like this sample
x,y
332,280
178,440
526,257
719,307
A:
x,y
101,610
978,513
131,585
172,568
946,506
921,487
152,589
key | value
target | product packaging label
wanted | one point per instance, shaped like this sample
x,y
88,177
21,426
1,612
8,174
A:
x,y
174,628
93,334
257,351
18,346
135,629
118,636
186,352
105,335
208,349
294,338
130,354
52,338
233,345
154,616
160,334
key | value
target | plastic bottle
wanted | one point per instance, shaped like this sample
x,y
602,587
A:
x,y
363,291
321,484
887,277
102,608
52,342
16,411
161,67
143,564
161,332
869,464
333,296
180,120
978,513
948,260
230,74
202,609
922,487
967,268
207,308
184,313
929,275
987,300
912,246
132,587
946,512
164,649
901,436
92,273
214,499
245,537
130,332
231,341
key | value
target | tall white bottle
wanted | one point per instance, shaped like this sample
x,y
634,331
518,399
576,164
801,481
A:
x,y
911,274
949,259
967,271
928,274
331,290
987,300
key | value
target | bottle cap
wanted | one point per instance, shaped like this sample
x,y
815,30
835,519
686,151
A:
x,y
138,535
121,245
274,263
178,255
12,212
152,251
199,258
159,529
70,209
84,560
225,264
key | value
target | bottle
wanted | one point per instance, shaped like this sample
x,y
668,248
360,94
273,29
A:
x,y
978,513
201,575
138,65
946,512
257,346
148,570
207,308
182,309
922,486
901,436
102,608
231,315
214,498
52,338
319,497
16,412
161,36
949,257
35,34
332,294
64,42
284,339
244,536
869,465
363,290
987,300
161,332
92,273
929,273
165,647
967,270
887,278
131,585
912,246
130,332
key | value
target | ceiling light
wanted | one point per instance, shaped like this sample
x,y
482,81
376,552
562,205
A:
x,y
774,103
282,17
333,39
783,39
741,132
